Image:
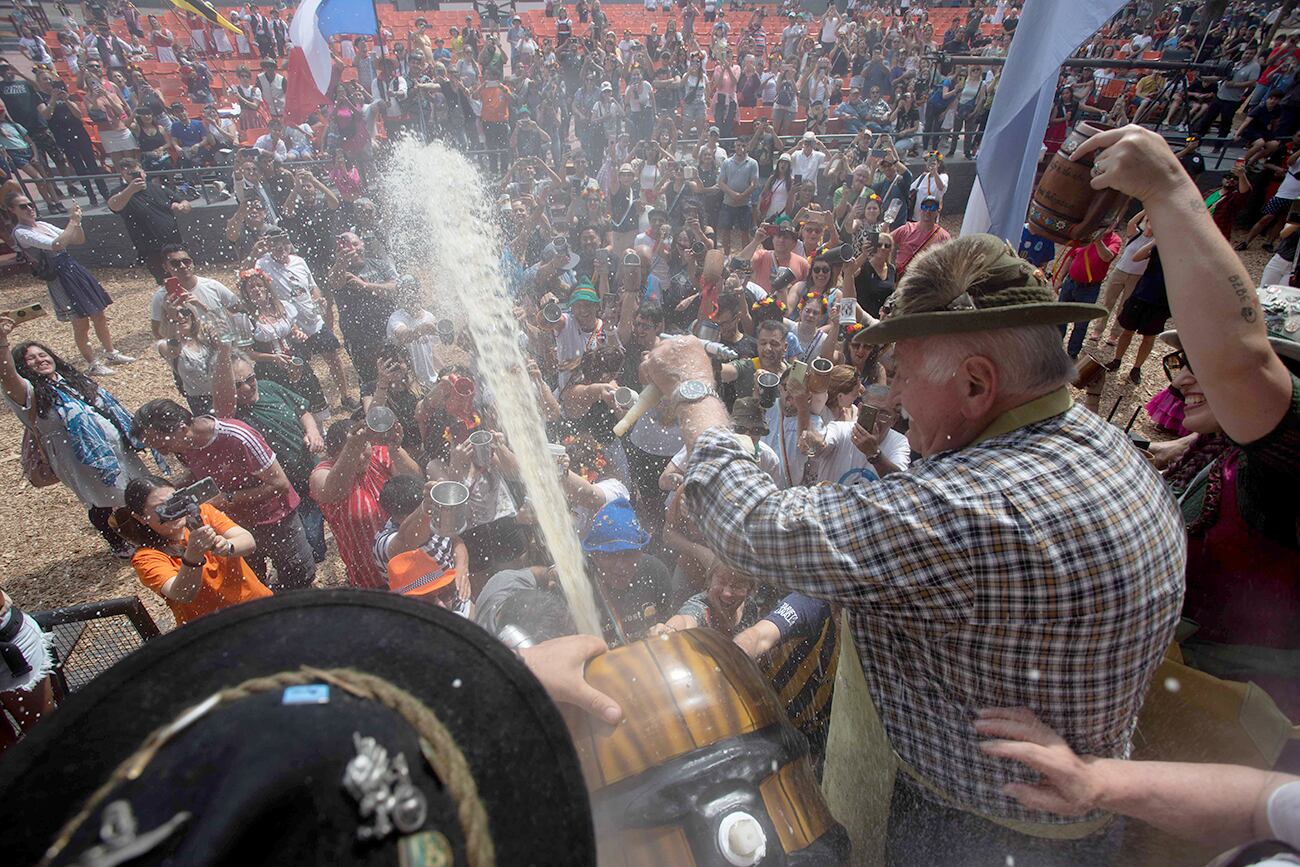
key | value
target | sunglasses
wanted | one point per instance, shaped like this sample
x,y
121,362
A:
x,y
26,206
180,263
929,207
821,269
1174,363
250,380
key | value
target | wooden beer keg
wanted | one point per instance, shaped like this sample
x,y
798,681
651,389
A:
x,y
706,768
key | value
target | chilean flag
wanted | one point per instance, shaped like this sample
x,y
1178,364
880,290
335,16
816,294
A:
x,y
311,64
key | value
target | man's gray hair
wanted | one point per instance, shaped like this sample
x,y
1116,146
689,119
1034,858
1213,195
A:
x,y
1030,360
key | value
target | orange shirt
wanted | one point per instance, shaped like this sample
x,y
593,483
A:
x,y
495,100
226,580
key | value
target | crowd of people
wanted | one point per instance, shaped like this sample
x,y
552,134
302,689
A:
x,y
871,420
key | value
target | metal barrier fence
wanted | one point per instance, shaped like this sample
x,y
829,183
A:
x,y
488,158
90,638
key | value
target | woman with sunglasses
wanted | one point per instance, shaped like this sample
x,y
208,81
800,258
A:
x,y
1238,371
875,276
278,353
188,346
75,295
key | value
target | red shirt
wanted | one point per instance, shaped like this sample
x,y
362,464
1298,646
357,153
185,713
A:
x,y
912,238
233,458
1086,264
358,517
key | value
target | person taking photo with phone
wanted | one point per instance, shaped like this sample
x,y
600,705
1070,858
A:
x,y
77,433
75,295
196,566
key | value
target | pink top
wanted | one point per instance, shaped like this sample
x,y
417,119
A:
x,y
724,83
233,458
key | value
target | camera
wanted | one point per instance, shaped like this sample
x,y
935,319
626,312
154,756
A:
x,y
185,502
781,281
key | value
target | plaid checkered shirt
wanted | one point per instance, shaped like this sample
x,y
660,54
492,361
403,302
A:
x,y
1041,567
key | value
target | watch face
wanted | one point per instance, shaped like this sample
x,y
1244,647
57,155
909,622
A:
x,y
693,389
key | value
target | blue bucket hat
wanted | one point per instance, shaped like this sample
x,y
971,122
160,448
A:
x,y
615,528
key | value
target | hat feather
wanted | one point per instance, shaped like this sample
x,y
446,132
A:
x,y
943,272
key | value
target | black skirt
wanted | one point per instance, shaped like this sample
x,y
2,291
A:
x,y
75,291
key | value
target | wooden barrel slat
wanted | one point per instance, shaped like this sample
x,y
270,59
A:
x,y
795,805
653,731
707,701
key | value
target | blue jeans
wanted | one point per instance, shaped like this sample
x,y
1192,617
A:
x,y
1081,293
313,524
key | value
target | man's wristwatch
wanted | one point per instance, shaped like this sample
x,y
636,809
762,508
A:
x,y
692,391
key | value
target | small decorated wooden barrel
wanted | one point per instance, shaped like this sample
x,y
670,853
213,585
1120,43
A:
x,y
706,768
1064,206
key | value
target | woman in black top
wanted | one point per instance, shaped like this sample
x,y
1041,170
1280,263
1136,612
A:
x,y
155,141
876,276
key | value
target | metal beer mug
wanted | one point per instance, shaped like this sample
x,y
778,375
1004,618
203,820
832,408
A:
x,y
450,508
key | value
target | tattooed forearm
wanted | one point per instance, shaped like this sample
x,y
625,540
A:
x,y
1245,297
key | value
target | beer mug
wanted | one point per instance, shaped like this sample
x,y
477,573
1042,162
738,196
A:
x,y
1064,206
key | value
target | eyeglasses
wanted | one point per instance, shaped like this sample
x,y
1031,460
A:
x,y
1174,363
180,263
250,380
26,206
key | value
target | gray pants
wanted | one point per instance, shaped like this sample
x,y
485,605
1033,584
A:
x,y
284,544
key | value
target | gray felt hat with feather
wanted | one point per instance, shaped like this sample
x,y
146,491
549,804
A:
x,y
972,283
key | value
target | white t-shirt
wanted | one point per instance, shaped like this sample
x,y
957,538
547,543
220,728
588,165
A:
x,y
926,185
785,443
807,165
839,454
572,341
768,462
1290,186
424,358
1284,819
1124,262
211,294
294,282
650,435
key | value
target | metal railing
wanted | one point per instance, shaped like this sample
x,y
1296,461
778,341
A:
x,y
92,637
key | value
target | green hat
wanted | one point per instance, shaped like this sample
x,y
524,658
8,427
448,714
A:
x,y
972,283
584,291
749,416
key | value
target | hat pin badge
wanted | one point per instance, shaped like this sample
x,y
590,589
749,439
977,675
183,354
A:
x,y
383,790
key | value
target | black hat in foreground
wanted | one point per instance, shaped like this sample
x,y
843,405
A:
x,y
325,727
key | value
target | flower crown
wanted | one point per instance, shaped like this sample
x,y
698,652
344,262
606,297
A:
x,y
767,304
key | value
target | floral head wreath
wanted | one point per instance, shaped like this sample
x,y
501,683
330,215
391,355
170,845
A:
x,y
252,273
767,305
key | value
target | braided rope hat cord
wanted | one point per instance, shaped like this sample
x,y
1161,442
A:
x,y
436,743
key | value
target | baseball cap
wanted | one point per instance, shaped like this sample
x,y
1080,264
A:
x,y
615,528
583,292
415,573
606,87
810,136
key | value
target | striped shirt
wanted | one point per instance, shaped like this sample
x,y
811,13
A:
x,y
438,547
358,517
1041,566
233,458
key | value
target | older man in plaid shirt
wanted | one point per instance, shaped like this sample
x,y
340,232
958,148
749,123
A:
x,y
1033,558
